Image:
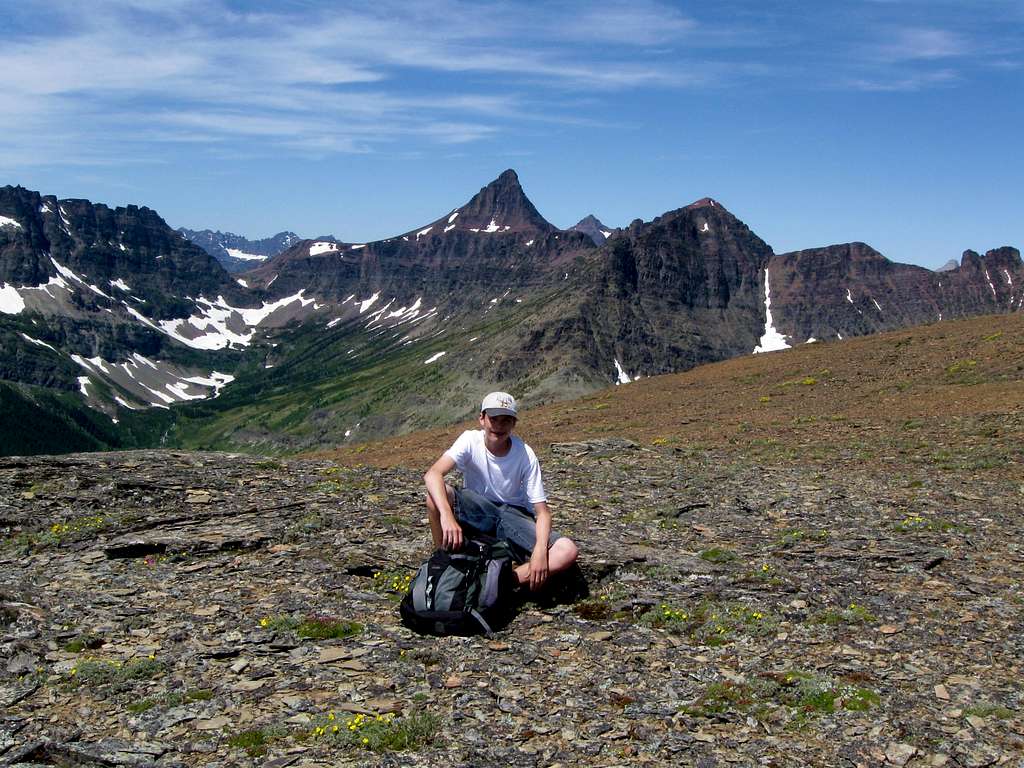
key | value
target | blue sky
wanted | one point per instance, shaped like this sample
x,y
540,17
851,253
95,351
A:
x,y
894,122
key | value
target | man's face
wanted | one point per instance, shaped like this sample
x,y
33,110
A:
x,y
497,427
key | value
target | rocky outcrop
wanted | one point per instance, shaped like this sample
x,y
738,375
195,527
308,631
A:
x,y
851,290
662,296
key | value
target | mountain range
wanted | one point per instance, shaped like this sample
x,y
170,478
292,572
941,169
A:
x,y
237,253
118,331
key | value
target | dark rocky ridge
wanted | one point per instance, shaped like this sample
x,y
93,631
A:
x,y
103,244
462,267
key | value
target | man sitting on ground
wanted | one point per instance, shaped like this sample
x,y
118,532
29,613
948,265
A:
x,y
503,495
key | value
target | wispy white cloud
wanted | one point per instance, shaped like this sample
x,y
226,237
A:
x,y
921,44
907,83
189,72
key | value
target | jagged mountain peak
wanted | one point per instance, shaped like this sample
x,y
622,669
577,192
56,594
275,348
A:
x,y
501,206
592,227
949,266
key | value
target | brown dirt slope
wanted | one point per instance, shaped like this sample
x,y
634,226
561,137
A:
x,y
942,394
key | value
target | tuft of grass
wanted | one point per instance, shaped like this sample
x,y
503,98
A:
x,y
718,555
327,628
986,709
306,525
962,366
379,733
118,676
915,522
171,700
803,695
712,623
256,741
593,610
853,614
312,627
83,642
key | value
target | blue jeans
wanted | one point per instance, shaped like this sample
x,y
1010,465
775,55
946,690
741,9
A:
x,y
507,522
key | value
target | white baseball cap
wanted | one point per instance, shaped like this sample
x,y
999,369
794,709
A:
x,y
499,404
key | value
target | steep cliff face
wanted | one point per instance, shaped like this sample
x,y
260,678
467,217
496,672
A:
x,y
662,296
851,290
88,301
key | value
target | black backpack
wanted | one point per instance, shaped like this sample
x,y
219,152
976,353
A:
x,y
462,593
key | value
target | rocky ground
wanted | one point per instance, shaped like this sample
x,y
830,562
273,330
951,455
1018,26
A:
x,y
180,609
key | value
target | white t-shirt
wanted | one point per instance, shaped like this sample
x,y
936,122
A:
x,y
512,479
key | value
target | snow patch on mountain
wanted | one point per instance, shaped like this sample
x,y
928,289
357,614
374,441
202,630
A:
x,y
621,377
145,379
365,305
317,248
239,254
435,358
40,343
989,279
221,325
11,302
7,221
68,273
771,340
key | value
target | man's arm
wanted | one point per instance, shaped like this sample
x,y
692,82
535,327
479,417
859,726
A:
x,y
539,558
451,532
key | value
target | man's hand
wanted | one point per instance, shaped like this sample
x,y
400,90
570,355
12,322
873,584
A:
x,y
538,567
451,533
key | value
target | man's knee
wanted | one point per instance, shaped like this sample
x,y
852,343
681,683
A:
x,y
563,553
